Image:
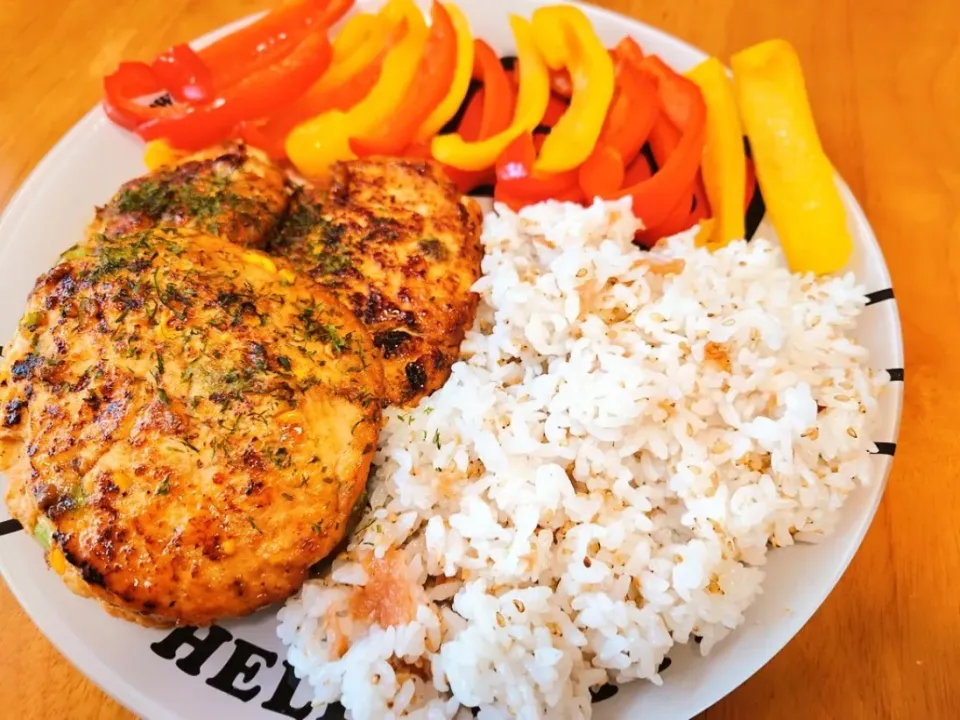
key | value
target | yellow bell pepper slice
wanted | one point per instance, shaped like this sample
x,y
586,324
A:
x,y
317,143
724,167
159,153
566,39
461,77
532,99
795,176
356,46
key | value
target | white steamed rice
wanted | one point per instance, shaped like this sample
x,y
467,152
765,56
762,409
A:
x,y
600,478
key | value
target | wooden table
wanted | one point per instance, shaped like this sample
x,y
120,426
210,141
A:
x,y
883,82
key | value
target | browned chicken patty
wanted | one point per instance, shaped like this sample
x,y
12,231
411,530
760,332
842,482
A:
x,y
186,424
395,242
231,190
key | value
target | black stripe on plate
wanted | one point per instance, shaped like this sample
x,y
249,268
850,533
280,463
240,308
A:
x,y
7,527
885,448
879,296
896,374
756,208
484,191
604,692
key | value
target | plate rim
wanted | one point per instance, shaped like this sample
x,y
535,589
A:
x,y
57,630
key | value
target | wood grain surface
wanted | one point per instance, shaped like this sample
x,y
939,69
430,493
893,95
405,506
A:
x,y
884,79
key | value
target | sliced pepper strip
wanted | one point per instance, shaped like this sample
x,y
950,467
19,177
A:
x,y
344,84
556,105
518,184
193,128
434,75
469,128
629,50
602,173
184,74
499,96
266,41
532,99
633,112
638,171
451,102
121,88
566,38
676,99
654,199
795,175
355,47
724,168
315,144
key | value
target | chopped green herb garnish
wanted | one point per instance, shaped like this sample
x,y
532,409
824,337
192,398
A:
x,y
436,438
284,362
433,248
254,525
32,320
164,487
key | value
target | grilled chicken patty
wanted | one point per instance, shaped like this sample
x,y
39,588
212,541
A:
x,y
231,190
396,243
186,424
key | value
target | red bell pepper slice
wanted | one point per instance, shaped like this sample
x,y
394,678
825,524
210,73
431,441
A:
x,y
691,209
561,83
602,173
629,50
656,198
121,88
195,127
664,138
268,40
633,112
518,185
638,171
499,95
677,97
184,74
434,75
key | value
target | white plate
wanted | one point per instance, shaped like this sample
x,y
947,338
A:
x,y
237,671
